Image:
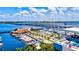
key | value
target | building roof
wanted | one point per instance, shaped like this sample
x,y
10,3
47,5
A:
x,y
73,29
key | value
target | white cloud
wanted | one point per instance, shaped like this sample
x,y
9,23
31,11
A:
x,y
61,12
24,12
64,8
52,8
75,9
43,10
41,14
69,14
21,13
38,14
16,14
3,16
34,10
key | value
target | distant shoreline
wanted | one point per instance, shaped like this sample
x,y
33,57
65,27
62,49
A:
x,y
37,21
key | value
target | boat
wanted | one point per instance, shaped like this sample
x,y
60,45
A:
x,y
1,44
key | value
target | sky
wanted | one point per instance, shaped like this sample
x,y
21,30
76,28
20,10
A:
x,y
39,13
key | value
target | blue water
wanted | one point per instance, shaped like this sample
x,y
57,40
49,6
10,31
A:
x,y
9,42
72,23
7,27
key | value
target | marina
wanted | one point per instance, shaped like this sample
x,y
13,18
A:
x,y
17,37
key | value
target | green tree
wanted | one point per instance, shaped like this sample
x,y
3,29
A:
x,y
18,49
30,47
52,35
49,47
42,45
46,47
59,37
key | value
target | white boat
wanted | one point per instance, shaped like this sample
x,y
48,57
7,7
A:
x,y
1,44
0,38
1,41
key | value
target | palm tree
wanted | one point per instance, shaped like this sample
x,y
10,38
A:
x,y
46,47
52,35
59,37
34,47
18,49
42,45
49,47
28,48
48,38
